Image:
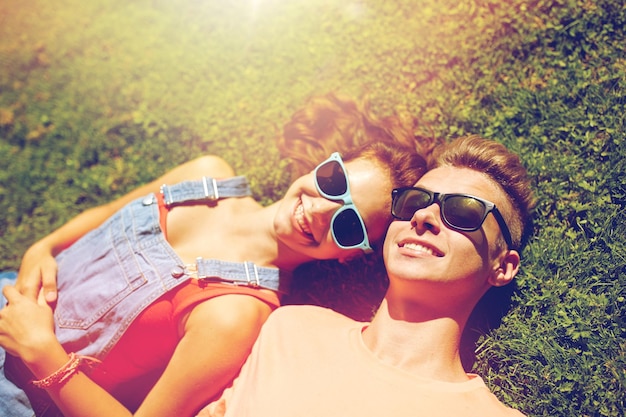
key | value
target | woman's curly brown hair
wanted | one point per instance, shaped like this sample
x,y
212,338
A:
x,y
330,123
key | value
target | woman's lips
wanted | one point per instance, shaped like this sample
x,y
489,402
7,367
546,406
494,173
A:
x,y
302,221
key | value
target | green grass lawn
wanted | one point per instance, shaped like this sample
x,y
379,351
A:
x,y
97,97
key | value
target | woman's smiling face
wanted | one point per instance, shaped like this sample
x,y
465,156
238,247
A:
x,y
304,216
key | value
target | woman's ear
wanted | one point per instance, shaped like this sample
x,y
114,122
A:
x,y
505,268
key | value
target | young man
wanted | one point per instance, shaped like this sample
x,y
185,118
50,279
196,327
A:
x,y
457,233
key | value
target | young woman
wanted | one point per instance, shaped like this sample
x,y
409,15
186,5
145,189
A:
x,y
167,287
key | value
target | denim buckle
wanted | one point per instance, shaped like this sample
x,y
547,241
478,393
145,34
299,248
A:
x,y
257,281
216,195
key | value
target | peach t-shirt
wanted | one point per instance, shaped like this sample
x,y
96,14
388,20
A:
x,y
310,361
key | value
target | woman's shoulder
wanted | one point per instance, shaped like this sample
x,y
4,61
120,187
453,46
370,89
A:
x,y
209,166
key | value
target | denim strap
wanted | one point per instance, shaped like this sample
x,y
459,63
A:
x,y
205,189
243,273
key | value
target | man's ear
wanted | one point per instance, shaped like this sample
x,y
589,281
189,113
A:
x,y
506,267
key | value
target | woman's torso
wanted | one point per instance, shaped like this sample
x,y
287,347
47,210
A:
x,y
188,227
114,272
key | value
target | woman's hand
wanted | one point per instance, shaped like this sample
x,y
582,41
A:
x,y
26,325
38,273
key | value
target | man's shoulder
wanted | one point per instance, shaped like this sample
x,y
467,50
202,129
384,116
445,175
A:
x,y
487,403
294,334
309,312
308,316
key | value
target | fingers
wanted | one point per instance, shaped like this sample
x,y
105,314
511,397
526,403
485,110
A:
x,y
24,323
28,283
42,298
11,293
40,277
49,284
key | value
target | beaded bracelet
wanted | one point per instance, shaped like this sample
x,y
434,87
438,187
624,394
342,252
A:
x,y
58,377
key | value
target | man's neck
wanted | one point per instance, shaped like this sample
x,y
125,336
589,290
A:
x,y
427,347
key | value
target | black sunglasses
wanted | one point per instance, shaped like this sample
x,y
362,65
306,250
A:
x,y
462,212
347,226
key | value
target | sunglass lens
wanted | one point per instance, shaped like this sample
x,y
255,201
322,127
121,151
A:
x,y
347,228
464,212
331,179
408,202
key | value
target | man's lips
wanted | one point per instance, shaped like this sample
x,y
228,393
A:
x,y
420,248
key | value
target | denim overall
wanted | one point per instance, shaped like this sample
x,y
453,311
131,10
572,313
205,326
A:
x,y
114,272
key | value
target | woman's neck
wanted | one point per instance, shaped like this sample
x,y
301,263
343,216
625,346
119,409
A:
x,y
262,243
427,346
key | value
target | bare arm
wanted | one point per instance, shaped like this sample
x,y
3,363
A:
x,y
217,336
38,268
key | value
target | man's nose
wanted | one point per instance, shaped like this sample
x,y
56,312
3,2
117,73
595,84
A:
x,y
427,218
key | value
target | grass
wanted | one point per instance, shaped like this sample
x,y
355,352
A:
x,y
98,97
